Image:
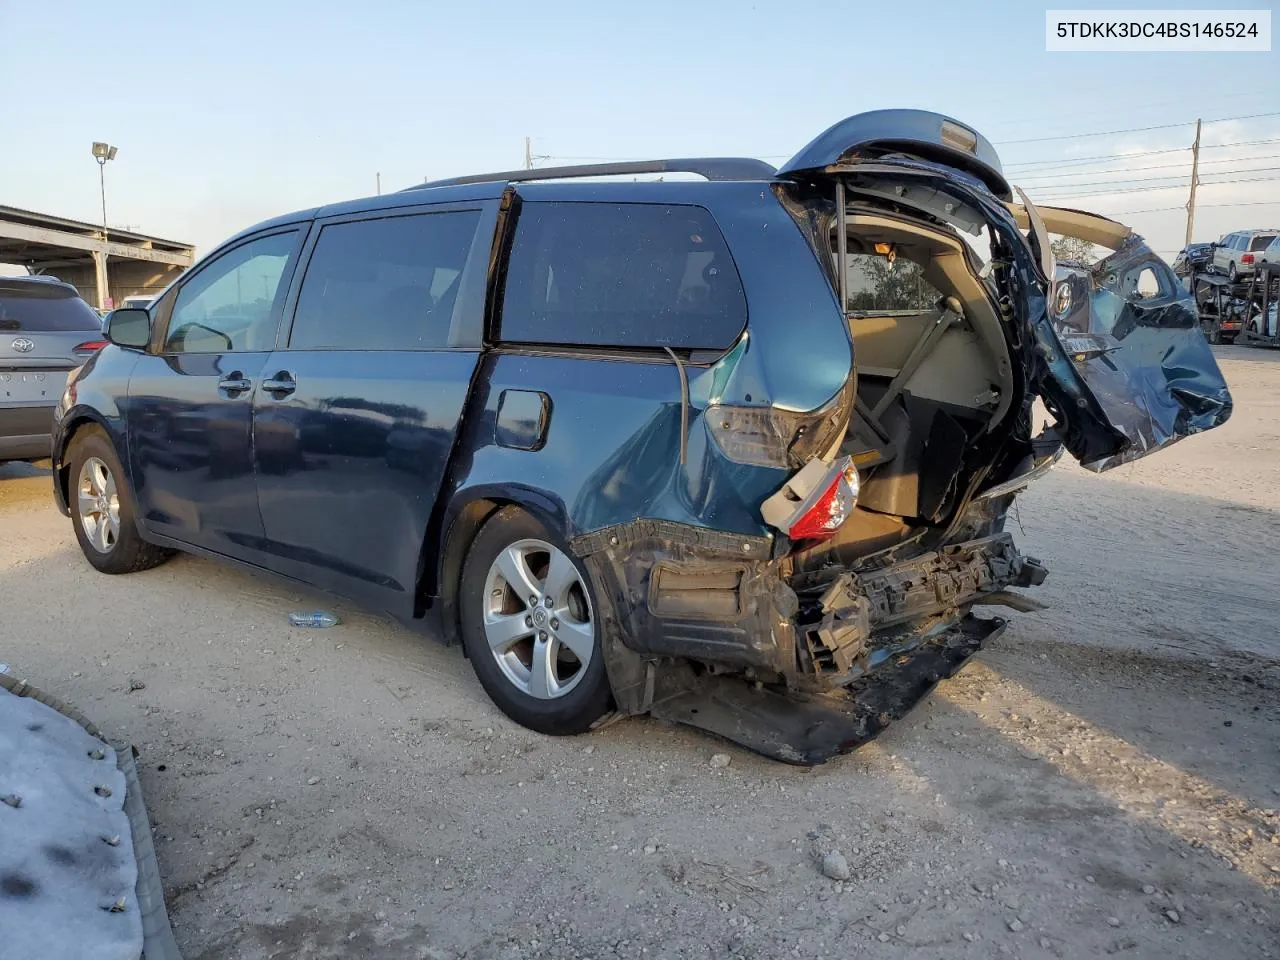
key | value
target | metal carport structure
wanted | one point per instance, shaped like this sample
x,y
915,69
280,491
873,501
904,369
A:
x,y
103,269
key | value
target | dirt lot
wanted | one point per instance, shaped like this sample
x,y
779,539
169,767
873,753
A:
x,y
1103,780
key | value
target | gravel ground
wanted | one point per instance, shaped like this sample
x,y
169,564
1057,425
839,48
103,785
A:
x,y
1103,780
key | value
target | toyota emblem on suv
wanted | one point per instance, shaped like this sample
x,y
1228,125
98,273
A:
x,y
23,345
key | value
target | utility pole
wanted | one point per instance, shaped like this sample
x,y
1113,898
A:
x,y
379,176
1195,177
528,154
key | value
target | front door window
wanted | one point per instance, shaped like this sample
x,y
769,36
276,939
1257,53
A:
x,y
229,306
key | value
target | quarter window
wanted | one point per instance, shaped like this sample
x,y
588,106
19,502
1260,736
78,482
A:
x,y
880,286
621,275
228,307
385,284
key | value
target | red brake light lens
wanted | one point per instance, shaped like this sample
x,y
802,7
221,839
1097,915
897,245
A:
x,y
91,346
830,510
1247,258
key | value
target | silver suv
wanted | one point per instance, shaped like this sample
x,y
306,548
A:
x,y
46,330
1237,253
1272,253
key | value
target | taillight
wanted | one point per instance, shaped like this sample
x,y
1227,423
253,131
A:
x,y
1247,258
91,346
814,503
765,436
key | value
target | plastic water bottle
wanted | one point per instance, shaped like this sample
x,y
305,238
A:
x,y
314,618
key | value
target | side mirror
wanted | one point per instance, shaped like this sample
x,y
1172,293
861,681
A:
x,y
128,327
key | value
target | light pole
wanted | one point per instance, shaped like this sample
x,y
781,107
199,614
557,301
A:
x,y
102,152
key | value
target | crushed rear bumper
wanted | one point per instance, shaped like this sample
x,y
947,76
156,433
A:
x,y
806,728
707,629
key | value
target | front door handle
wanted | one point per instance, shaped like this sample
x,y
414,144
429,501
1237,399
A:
x,y
234,384
281,385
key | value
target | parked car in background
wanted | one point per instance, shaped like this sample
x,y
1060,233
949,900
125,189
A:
x,y
139,302
1236,254
46,330
737,452
1193,258
1272,252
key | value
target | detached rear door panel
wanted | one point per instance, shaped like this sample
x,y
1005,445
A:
x,y
1137,353
357,415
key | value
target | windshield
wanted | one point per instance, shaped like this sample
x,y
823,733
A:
x,y
41,309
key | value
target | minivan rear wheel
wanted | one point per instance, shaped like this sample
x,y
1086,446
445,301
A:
x,y
102,508
530,626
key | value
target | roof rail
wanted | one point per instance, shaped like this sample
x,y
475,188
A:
x,y
713,168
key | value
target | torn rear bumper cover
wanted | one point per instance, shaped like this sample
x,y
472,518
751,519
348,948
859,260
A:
x,y
806,729
716,635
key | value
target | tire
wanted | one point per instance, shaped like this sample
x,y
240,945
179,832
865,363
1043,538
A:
x,y
559,631
102,508
1232,275
1214,336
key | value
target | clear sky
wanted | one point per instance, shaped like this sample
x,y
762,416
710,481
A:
x,y
231,112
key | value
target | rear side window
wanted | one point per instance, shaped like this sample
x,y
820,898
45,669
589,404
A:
x,y
882,286
34,306
386,284
1261,241
621,275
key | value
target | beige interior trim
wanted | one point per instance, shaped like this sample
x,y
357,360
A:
x,y
945,264
1075,223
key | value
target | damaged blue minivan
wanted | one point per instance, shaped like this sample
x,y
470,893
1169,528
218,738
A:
x,y
734,450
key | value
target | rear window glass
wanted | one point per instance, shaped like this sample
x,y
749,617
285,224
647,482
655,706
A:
x,y
621,275
1262,242
44,309
879,285
386,284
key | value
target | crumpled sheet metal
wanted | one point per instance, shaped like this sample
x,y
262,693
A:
x,y
806,730
78,876
1159,382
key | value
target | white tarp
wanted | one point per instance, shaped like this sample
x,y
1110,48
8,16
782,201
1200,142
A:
x,y
67,867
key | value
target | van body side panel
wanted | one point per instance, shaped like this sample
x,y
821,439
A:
x,y
609,450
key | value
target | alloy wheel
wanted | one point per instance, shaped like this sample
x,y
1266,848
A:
x,y
538,619
98,502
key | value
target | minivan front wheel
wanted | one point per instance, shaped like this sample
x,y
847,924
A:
x,y
102,510
530,627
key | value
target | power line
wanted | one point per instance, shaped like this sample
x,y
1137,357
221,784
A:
x,y
1199,206
1057,162
1109,133
1171,176
1159,166
1104,156
1085,161
1176,186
